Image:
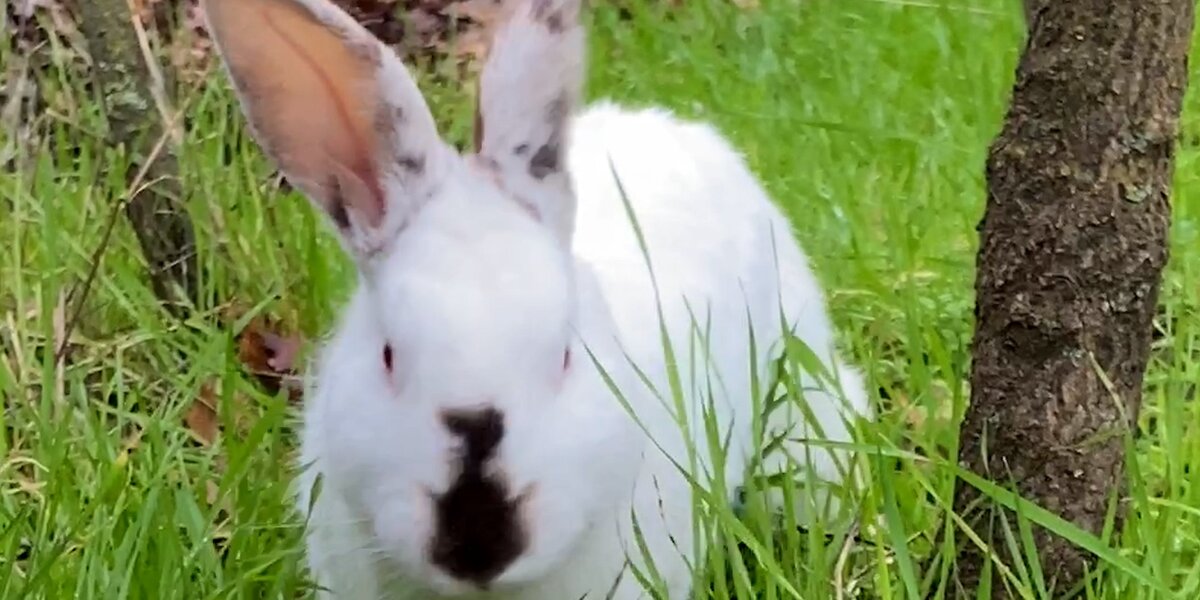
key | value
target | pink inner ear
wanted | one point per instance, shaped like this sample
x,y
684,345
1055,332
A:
x,y
309,68
361,189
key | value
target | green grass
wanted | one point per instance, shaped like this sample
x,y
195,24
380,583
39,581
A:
x,y
868,120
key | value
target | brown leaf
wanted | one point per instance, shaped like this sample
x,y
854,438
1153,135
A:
x,y
201,418
212,493
271,356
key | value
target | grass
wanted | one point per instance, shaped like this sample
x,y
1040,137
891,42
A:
x,y
868,120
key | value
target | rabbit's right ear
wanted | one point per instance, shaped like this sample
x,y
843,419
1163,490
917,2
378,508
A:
x,y
529,89
335,109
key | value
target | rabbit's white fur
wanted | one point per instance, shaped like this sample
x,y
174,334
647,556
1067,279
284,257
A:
x,y
513,281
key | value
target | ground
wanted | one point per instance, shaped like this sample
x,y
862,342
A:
x,y
868,120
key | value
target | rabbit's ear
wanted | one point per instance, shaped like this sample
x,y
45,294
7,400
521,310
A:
x,y
529,88
334,108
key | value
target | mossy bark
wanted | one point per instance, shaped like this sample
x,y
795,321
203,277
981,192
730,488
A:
x,y
156,211
1073,243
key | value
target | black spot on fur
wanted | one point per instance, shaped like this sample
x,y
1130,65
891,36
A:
x,y
521,150
554,22
539,9
556,112
478,528
481,432
412,164
544,161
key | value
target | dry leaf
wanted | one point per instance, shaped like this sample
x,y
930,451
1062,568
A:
x,y
271,357
915,415
212,492
201,418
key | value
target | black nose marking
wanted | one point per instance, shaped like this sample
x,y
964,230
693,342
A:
x,y
478,530
481,432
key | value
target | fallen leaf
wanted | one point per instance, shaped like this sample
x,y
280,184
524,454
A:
x,y
201,418
271,357
212,492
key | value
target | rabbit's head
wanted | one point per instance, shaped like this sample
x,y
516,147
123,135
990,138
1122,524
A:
x,y
472,434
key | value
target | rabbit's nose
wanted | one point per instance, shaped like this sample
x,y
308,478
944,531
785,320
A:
x,y
478,531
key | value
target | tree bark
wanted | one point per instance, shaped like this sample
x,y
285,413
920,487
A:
x,y
1073,243
156,211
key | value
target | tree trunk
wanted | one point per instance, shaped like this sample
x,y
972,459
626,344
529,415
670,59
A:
x,y
156,211
1073,243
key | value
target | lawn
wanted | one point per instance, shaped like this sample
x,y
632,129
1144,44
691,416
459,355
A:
x,y
868,120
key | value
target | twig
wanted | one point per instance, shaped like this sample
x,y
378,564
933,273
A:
x,y
84,288
839,568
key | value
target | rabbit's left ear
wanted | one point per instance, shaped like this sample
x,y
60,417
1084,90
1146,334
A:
x,y
335,109
529,89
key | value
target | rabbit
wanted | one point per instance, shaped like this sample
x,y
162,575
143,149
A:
x,y
493,416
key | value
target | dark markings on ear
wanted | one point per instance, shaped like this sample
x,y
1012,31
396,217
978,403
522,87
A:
x,y
547,159
412,164
556,111
544,161
337,204
393,120
478,530
390,119
555,21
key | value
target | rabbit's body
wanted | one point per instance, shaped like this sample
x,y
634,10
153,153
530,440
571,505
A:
x,y
461,432
723,257
722,253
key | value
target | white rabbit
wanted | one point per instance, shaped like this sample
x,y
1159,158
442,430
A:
x,y
461,434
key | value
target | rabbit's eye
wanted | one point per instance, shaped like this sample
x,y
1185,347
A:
x,y
566,359
387,357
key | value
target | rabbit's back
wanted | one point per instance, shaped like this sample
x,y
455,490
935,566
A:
x,y
722,254
706,221
713,236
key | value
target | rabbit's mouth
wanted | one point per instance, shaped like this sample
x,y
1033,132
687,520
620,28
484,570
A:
x,y
479,528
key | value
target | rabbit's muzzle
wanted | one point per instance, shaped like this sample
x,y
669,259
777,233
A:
x,y
479,529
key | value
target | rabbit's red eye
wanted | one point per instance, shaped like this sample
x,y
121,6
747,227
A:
x,y
387,357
